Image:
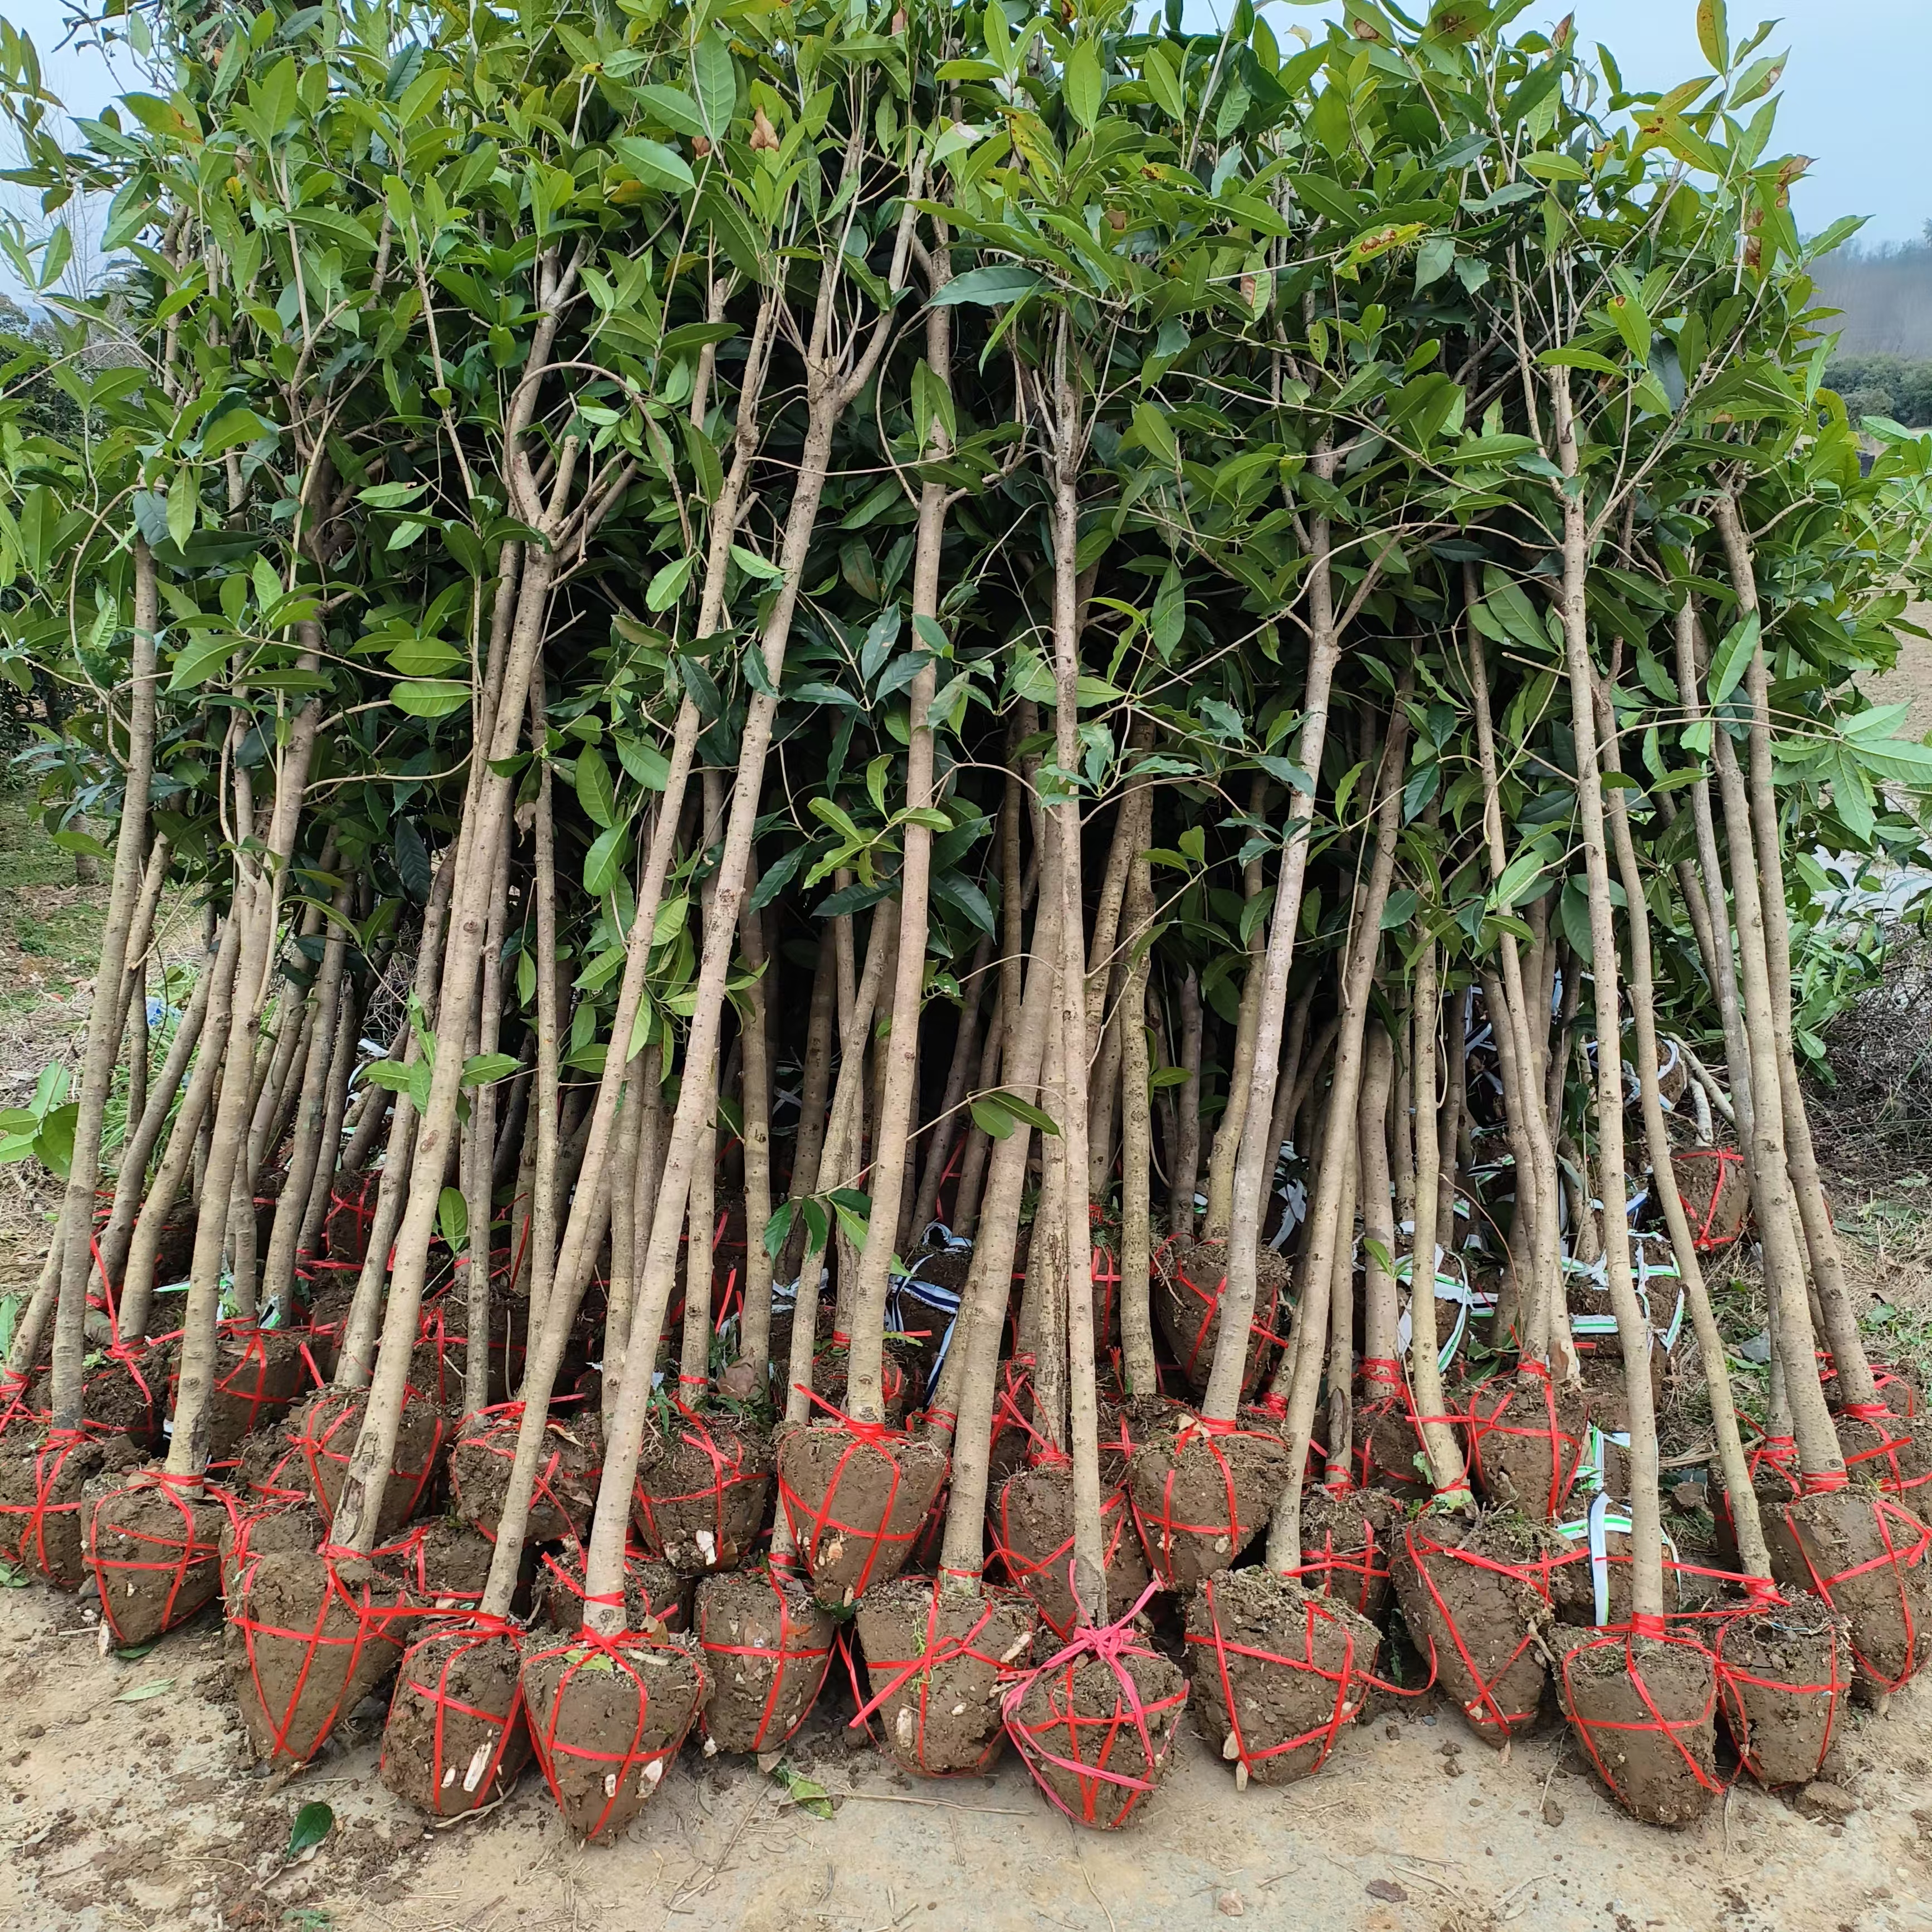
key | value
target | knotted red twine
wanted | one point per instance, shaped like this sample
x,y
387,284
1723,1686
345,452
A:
x,y
795,1647
1083,1748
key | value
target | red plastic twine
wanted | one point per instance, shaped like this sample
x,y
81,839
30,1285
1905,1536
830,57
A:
x,y
180,1555
1090,1742
612,1653
1880,1417
727,1473
27,1545
1705,1236
1730,1676
1482,1710
1588,1730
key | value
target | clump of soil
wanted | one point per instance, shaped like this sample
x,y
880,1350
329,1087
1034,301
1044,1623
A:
x,y
1098,1734
443,1563
307,1638
657,1600
703,1487
1387,1443
830,1366
271,1469
1891,1450
1784,1671
1645,1710
1276,1671
154,1547
326,1426
440,1362
1202,1494
607,1719
1468,1600
1528,1437
351,1210
766,1646
1868,1556
43,1516
1034,1532
455,1740
123,1396
925,1320
1016,1430
855,1497
1189,1279
1125,1425
935,1666
565,1492
1350,1539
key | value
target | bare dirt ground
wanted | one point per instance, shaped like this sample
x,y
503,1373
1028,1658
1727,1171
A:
x,y
126,1810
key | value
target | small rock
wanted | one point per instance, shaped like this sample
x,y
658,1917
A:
x,y
1389,1731
1451,1768
1690,1495
1828,1804
35,1731
1449,1747
1229,1905
1552,1812
1387,1891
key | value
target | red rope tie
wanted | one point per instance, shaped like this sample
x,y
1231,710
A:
x,y
1483,1709
1659,1724
936,1652
476,1777
1382,1371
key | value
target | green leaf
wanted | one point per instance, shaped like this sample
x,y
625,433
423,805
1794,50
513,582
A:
x,y
673,107
998,282
595,791
1714,33
425,657
1082,85
753,565
668,586
484,1069
604,863
183,502
656,165
1150,428
714,80
1168,622
314,1823
452,1218
154,1688
801,1791
1733,658
429,697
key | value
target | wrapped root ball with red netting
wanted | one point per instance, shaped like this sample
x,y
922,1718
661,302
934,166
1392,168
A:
x,y
1096,1724
1201,1493
1033,1537
564,1492
123,1396
154,1547
607,1716
1387,1438
1889,1450
455,1737
309,1637
1715,1190
704,1490
1870,1558
1189,1279
1784,1673
1528,1436
1351,1541
1017,1434
42,1504
833,1364
657,1600
439,1366
258,1372
271,1469
1124,1426
444,1563
936,1665
326,1427
1644,1709
1275,1672
351,1215
767,1646
1468,1597
855,1495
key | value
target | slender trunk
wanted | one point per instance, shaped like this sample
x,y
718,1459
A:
x,y
1222,1156
755,1326
478,1195
1187,1140
1137,1356
943,1134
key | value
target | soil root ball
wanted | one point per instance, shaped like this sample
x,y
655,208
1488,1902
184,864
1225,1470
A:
x,y
1189,1279
657,1600
1096,1723
1275,1672
123,1397
1643,1706
607,1716
154,1547
1870,1558
1473,1611
1350,1539
309,1635
43,1502
1894,1451
1201,1493
1032,1534
271,1470
258,1372
565,1491
1784,1671
703,1491
1528,1437
936,1664
326,1428
1387,1438
855,1494
767,1646
443,1563
455,1738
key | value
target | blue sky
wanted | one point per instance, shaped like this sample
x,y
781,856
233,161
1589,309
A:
x,y
1855,91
